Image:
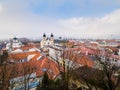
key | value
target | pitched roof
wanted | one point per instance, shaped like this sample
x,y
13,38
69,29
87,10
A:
x,y
23,55
26,68
50,66
81,59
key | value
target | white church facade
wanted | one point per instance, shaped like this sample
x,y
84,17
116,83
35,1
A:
x,y
46,42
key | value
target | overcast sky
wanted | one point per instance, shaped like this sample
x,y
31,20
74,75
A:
x,y
66,18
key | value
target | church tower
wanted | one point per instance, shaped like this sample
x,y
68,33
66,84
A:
x,y
51,36
46,42
44,36
51,39
43,41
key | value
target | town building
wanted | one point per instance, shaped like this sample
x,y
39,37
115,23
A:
x,y
46,41
14,43
28,64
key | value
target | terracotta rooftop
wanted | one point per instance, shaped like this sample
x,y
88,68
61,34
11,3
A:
x,y
81,59
23,55
38,67
26,47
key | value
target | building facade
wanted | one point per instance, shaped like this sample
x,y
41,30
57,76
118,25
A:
x,y
14,43
45,42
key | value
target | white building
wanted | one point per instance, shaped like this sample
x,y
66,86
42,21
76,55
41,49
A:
x,y
14,43
55,53
119,52
46,42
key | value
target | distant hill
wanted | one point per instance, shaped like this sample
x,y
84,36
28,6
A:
x,y
25,40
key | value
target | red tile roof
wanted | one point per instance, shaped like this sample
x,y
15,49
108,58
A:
x,y
51,67
81,59
23,55
26,47
21,69
86,61
112,48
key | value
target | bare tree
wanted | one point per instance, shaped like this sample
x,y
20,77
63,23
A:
x,y
110,70
88,77
23,75
28,68
4,76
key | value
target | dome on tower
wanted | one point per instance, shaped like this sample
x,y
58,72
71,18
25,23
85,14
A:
x,y
52,35
15,38
44,35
